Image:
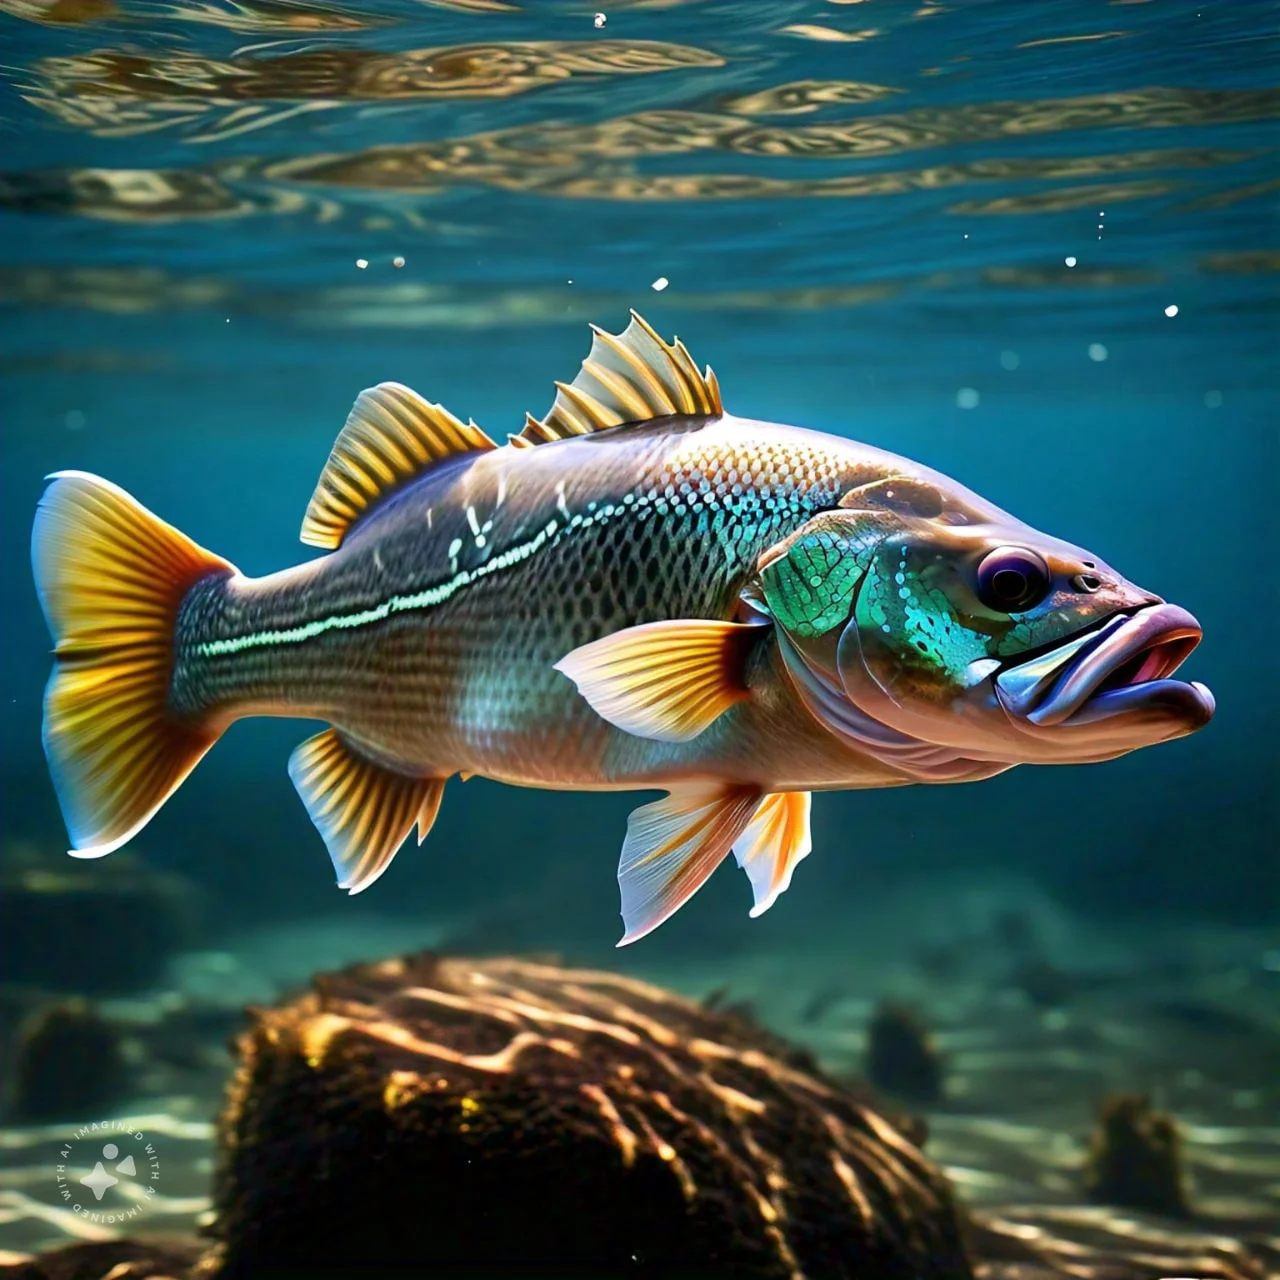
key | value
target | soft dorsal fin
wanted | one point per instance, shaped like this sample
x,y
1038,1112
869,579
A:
x,y
628,377
392,435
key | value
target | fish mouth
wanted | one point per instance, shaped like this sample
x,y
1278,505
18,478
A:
x,y
1121,665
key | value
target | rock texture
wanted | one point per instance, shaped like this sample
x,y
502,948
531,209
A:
x,y
465,1114
68,1061
100,927
901,1056
1135,1159
124,1259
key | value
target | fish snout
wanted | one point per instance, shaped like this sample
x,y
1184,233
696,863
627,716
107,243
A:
x,y
1123,667
1078,575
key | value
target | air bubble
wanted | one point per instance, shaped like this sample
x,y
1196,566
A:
x,y
1213,399
1071,261
1009,360
362,263
967,398
1171,310
1097,352
660,283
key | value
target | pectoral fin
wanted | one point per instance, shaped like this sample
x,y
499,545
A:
x,y
775,839
664,680
362,809
673,845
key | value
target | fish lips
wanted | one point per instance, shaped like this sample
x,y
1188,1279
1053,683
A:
x,y
1121,666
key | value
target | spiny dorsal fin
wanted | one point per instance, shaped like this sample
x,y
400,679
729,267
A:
x,y
391,436
629,377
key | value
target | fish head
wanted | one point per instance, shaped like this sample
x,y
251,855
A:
x,y
917,615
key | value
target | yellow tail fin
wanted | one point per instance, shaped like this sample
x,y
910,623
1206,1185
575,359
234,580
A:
x,y
111,577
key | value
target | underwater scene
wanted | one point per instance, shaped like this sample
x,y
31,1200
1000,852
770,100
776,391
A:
x,y
489,489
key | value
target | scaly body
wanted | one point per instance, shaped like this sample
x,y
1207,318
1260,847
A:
x,y
437,653
637,591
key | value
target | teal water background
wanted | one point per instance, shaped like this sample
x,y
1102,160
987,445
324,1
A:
x,y
188,192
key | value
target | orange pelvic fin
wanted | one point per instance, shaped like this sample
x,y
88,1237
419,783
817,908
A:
x,y
664,680
775,840
673,845
362,809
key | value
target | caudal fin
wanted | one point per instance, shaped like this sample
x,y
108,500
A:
x,y
111,577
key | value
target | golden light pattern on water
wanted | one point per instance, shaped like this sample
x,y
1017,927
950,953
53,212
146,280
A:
x,y
730,129
114,93
264,16
812,31
802,96
1078,39
1078,277
1225,199
418,304
654,133
567,162
473,6
1063,198
115,290
1244,263
60,13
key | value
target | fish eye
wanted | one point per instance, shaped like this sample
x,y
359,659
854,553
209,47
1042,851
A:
x,y
1011,579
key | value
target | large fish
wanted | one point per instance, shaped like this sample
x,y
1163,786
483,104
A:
x,y
639,591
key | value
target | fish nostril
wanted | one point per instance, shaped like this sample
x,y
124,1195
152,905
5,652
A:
x,y
1086,582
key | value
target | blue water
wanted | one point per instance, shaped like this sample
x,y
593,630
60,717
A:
x,y
202,209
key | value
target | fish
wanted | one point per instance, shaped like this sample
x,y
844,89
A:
x,y
639,591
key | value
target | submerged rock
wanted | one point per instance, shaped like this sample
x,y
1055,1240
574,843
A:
x,y
97,927
901,1056
431,1113
110,1260
68,1062
1135,1159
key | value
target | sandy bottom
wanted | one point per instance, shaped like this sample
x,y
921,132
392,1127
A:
x,y
1038,1015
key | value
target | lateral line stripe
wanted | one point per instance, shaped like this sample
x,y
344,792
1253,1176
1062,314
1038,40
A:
x,y
430,597
426,599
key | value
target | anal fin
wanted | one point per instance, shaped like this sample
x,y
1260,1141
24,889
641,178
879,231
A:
x,y
774,841
362,809
664,680
673,845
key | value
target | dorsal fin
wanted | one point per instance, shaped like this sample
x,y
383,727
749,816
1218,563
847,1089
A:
x,y
392,434
628,377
